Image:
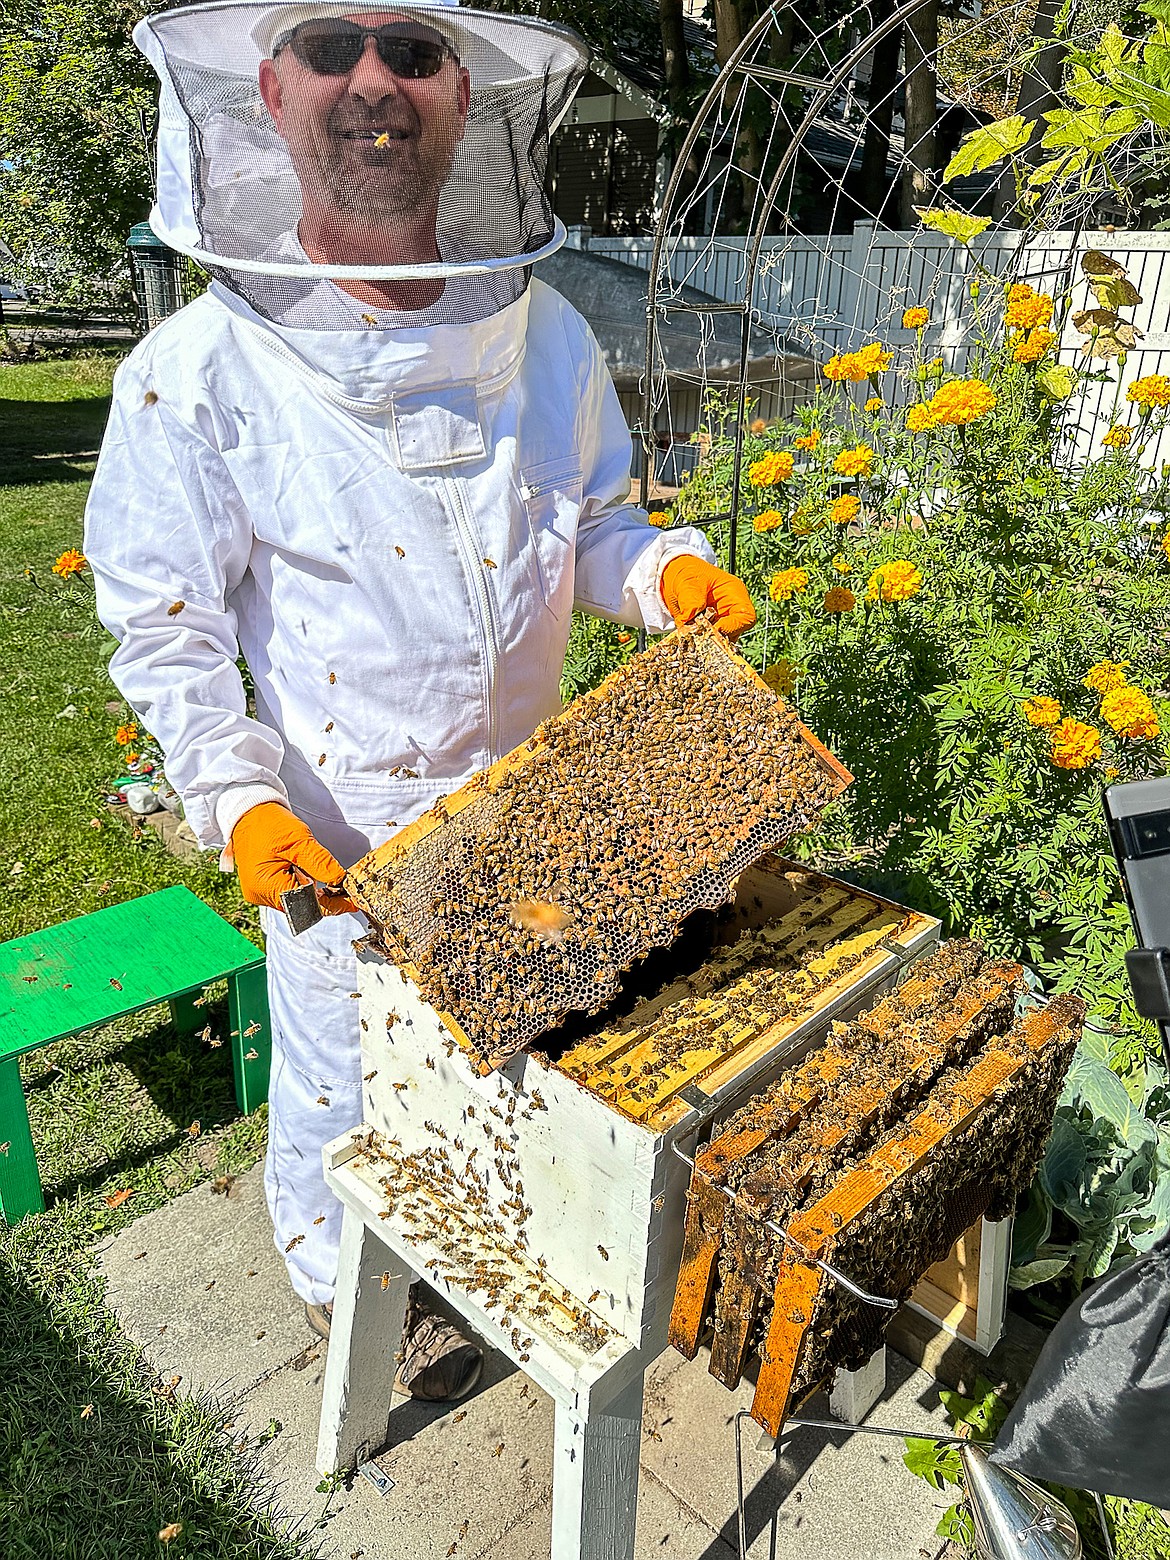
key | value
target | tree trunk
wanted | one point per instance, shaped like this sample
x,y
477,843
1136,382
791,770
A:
x,y
921,49
739,199
883,85
674,53
1039,90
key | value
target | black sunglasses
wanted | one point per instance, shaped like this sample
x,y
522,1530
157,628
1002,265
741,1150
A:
x,y
333,48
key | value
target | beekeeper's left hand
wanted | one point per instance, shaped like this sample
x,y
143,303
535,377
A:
x,y
691,585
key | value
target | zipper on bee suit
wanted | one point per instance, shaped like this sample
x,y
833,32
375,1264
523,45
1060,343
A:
x,y
489,623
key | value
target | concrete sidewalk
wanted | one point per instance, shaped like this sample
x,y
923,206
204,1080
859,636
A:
x,y
200,1288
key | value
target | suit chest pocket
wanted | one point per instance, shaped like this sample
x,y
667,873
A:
x,y
551,496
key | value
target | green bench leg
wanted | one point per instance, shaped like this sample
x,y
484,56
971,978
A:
x,y
20,1180
185,1016
251,1036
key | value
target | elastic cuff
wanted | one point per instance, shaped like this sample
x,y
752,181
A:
x,y
235,800
678,544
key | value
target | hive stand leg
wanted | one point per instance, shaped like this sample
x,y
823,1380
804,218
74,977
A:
x,y
854,1392
595,1478
364,1338
20,1180
185,1016
251,1036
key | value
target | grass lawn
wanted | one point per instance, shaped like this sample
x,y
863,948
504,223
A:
x,y
114,1109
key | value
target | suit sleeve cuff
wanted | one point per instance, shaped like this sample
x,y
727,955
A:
x,y
235,800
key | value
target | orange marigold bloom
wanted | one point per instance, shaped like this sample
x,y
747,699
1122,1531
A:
x,y
1150,391
808,441
916,318
1130,713
1041,711
896,581
1026,308
844,510
874,404
70,562
1032,347
770,469
1119,437
126,735
921,417
767,520
838,599
788,583
962,401
1106,676
1075,745
867,363
855,463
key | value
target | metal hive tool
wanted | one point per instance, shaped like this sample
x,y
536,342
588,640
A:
x,y
526,894
873,1156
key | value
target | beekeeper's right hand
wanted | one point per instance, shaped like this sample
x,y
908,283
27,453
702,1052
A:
x,y
274,851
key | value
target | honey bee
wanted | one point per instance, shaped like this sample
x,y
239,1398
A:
x,y
321,760
604,1253
320,1219
322,1099
332,677
368,319
329,726
489,563
294,1242
459,1417
430,1063
370,1076
175,608
150,398
400,551
398,1087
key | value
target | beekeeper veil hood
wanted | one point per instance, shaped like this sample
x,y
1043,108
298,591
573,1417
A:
x,y
358,140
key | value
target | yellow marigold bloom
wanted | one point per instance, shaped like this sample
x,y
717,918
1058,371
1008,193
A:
x,y
867,363
757,426
70,562
1041,711
1130,713
844,510
1150,391
962,401
788,583
1119,437
1032,347
661,518
842,564
767,520
839,600
854,463
1105,676
1166,544
125,735
916,318
808,441
874,404
781,677
874,359
921,417
896,581
1026,308
772,468
1075,745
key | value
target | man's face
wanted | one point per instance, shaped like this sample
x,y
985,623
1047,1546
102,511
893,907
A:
x,y
369,144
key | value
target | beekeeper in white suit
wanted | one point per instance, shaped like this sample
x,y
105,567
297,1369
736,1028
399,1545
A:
x,y
378,460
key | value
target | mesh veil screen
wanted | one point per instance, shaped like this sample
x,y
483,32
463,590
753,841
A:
x,y
551,873
282,172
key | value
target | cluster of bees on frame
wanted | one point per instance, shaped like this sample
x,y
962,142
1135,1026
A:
x,y
638,805
481,1233
726,1002
854,1095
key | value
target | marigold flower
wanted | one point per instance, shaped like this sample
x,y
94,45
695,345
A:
x,y
874,359
1166,544
125,735
1129,711
1026,308
1041,711
916,318
781,677
1105,676
774,467
1075,745
1032,347
842,564
788,583
874,404
757,426
867,363
896,581
1119,437
767,520
808,441
1150,391
962,401
131,758
920,417
854,463
70,562
844,510
838,599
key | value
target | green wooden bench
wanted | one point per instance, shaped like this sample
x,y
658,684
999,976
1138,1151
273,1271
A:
x,y
163,947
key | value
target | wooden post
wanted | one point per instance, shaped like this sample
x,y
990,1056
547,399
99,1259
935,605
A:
x,y
251,1028
185,1016
20,1180
595,1478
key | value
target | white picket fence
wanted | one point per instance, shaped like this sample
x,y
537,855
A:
x,y
833,293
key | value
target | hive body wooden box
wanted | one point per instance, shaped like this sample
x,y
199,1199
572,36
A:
x,y
599,1173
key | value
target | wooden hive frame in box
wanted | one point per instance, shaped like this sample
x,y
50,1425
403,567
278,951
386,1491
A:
x,y
1002,1096
624,898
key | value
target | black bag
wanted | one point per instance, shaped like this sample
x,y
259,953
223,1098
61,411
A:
x,y
1095,1413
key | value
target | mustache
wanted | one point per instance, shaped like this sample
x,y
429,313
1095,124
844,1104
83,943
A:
x,y
348,118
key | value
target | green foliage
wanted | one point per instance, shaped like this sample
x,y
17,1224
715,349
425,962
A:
x,y
939,1465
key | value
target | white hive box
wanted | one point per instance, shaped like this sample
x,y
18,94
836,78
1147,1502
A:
x,y
574,1157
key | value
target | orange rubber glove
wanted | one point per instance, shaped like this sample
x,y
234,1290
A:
x,y
274,851
690,585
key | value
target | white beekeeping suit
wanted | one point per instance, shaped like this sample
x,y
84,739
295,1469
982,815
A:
x,y
383,480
